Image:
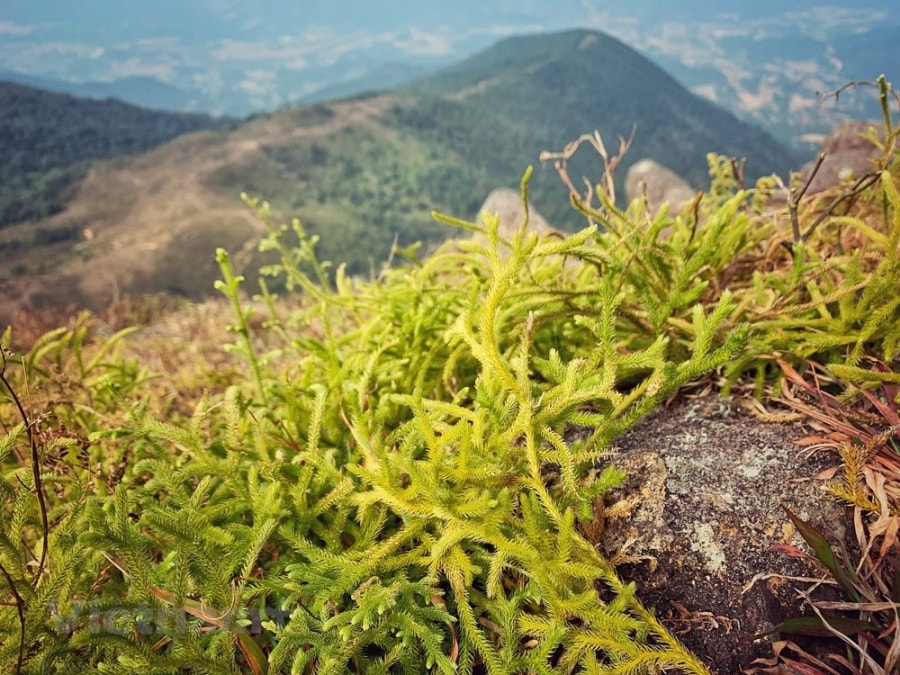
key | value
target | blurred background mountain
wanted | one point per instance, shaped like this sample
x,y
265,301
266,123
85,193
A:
x,y
129,130
765,61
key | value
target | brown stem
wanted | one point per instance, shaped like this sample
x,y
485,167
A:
x,y
737,168
20,609
796,196
861,184
35,469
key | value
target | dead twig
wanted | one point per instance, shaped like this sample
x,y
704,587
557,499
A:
x,y
859,186
35,468
609,163
794,197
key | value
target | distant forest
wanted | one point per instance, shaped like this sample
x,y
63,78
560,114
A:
x,y
47,141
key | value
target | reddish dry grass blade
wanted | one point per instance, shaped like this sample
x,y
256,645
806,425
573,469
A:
x,y
254,656
862,427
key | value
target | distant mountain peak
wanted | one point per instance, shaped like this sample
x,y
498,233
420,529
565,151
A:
x,y
595,81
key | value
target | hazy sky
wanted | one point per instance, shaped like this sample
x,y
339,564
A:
x,y
282,49
106,23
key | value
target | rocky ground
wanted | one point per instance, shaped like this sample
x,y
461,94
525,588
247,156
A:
x,y
707,480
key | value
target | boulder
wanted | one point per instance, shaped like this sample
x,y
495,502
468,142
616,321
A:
x,y
848,154
507,204
659,184
708,480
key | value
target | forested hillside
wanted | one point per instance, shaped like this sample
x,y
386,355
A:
x,y
502,107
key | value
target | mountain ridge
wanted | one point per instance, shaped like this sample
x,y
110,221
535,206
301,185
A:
x,y
558,69
142,91
241,59
364,172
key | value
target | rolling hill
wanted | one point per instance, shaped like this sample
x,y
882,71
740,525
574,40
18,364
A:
x,y
142,91
362,173
47,138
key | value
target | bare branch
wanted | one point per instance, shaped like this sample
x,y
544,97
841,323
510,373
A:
x,y
35,468
795,196
859,186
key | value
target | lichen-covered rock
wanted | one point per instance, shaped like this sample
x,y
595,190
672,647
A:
x,y
709,480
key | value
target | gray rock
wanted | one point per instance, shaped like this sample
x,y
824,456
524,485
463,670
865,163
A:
x,y
848,155
708,480
661,185
507,204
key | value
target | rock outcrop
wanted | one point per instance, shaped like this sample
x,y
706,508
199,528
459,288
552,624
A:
x,y
507,204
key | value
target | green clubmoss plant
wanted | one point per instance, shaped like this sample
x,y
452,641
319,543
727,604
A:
x,y
408,475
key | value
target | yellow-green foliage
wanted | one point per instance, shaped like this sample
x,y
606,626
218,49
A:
x,y
397,486
830,296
